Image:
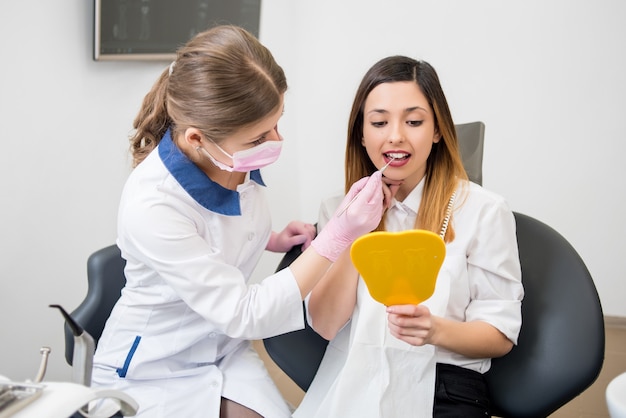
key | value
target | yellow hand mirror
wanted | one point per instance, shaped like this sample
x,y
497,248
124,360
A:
x,y
399,267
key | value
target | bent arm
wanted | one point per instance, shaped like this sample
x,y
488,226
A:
x,y
332,301
415,325
476,339
485,323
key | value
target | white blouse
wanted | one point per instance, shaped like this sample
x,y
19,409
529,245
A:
x,y
366,372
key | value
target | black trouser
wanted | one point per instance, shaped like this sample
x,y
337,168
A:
x,y
460,392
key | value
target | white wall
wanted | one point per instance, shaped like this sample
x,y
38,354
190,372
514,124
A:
x,y
547,78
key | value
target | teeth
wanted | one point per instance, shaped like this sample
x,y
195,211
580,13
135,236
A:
x,y
396,155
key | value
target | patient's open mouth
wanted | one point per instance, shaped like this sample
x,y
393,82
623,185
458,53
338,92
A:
x,y
396,155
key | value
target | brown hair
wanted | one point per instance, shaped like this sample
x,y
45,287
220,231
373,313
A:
x,y
444,166
222,80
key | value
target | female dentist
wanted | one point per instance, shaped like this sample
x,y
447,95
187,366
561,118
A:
x,y
192,224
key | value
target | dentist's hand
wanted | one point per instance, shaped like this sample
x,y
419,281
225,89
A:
x,y
361,216
295,233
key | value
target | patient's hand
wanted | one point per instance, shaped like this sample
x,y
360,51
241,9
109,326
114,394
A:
x,y
412,324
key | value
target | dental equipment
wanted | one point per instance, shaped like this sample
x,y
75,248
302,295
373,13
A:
x,y
382,170
84,349
41,398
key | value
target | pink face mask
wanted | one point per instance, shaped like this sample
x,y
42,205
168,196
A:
x,y
250,159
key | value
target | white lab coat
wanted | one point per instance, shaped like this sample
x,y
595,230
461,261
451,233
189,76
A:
x,y
178,338
368,373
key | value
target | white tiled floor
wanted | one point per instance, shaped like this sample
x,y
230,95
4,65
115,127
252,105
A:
x,y
590,404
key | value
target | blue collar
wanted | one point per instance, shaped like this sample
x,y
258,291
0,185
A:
x,y
205,191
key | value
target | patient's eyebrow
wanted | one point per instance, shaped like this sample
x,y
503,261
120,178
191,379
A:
x,y
414,108
407,110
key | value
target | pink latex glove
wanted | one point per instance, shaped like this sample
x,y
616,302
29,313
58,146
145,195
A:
x,y
295,233
361,217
